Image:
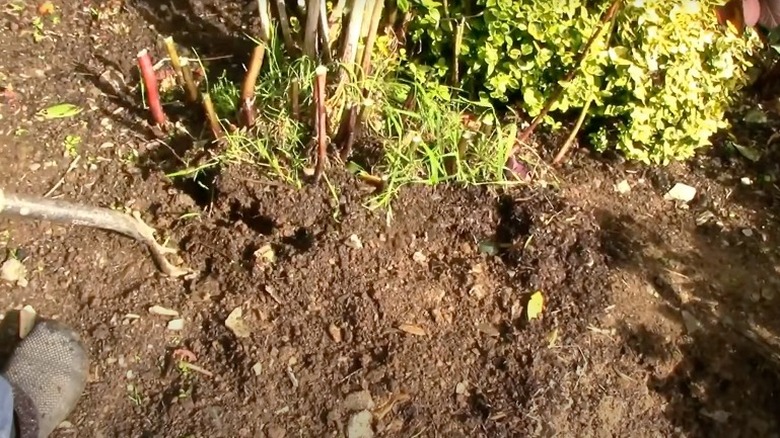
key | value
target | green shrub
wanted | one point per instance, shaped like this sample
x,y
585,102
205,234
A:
x,y
661,79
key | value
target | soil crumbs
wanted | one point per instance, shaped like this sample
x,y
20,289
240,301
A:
x,y
312,316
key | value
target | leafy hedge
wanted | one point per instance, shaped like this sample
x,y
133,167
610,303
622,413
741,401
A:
x,y
660,79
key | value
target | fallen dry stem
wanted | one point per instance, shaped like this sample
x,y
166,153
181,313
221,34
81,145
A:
x,y
95,217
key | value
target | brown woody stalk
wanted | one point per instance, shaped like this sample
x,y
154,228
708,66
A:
x,y
321,121
573,135
174,55
211,114
335,22
347,132
284,24
349,50
310,32
368,48
246,109
364,28
295,98
189,82
150,83
324,33
608,16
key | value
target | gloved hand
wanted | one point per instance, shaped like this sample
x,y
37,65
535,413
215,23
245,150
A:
x,y
47,371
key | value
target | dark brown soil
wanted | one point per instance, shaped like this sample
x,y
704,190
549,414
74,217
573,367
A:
x,y
660,319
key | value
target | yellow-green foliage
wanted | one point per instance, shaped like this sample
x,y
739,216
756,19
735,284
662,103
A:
x,y
661,79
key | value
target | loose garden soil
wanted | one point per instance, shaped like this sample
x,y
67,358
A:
x,y
660,319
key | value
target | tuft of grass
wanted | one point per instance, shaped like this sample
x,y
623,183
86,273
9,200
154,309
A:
x,y
428,144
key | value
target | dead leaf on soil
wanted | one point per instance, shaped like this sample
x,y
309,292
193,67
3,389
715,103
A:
x,y
412,329
265,253
235,322
46,8
535,305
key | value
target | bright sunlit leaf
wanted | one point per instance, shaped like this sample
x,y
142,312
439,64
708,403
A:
x,y
535,305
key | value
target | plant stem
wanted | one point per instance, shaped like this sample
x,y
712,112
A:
x,y
335,22
189,82
321,120
346,136
284,23
349,50
459,28
263,10
295,92
150,83
324,33
246,110
608,16
174,55
211,114
310,32
573,134
368,48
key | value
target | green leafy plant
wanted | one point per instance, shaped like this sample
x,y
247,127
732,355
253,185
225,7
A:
x,y
658,82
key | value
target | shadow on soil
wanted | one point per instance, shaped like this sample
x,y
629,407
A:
x,y
725,290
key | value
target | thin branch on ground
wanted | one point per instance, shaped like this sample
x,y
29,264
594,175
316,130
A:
x,y
94,217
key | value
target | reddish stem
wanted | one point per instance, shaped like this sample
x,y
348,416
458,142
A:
x,y
150,83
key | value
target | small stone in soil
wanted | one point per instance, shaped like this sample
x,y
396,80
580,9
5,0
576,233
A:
x,y
623,187
257,369
176,324
354,242
681,192
358,401
360,425
335,333
162,311
236,324
419,257
13,271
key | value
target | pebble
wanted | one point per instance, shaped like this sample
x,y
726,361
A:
x,y
175,324
358,401
681,192
359,425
